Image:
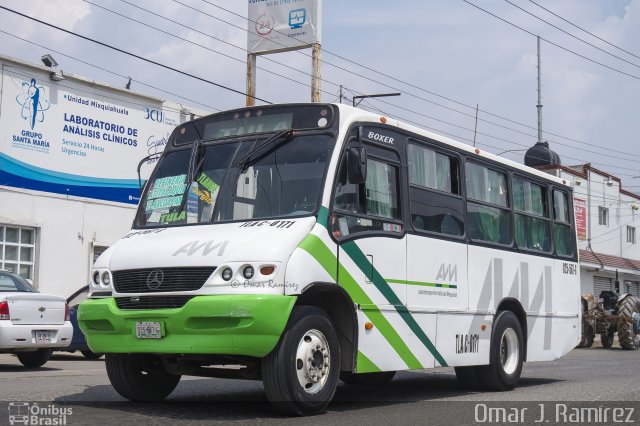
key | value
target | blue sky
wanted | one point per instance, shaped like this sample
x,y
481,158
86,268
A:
x,y
445,47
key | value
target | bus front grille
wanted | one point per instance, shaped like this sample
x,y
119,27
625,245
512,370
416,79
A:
x,y
152,302
160,279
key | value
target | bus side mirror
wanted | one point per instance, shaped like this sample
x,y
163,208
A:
x,y
357,165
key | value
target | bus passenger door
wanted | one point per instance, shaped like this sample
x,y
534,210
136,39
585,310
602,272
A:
x,y
366,221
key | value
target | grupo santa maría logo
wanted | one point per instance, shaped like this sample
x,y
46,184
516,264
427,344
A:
x,y
26,413
33,102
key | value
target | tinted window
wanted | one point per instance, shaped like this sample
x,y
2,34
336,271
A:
x,y
484,184
491,220
431,169
532,226
563,232
13,283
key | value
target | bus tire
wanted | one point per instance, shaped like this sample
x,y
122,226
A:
x,y
140,377
367,379
506,354
35,359
300,375
468,377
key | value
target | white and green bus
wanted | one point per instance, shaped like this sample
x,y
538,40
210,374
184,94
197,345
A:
x,y
303,244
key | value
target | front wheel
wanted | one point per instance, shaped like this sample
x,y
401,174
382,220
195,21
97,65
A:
x,y
35,359
140,377
301,374
506,354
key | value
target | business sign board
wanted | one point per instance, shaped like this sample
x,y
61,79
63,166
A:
x,y
76,139
283,24
580,208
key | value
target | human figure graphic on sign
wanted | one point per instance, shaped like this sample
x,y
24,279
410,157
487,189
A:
x,y
32,102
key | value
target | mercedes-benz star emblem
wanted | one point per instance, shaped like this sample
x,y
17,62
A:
x,y
154,280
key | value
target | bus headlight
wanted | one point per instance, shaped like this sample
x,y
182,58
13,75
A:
x,y
247,272
96,278
227,273
106,278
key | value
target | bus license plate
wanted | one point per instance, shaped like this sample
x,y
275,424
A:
x,y
148,330
43,336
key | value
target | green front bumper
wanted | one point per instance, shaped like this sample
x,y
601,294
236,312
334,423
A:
x,y
229,324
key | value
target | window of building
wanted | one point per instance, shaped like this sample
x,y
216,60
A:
x,y
433,192
488,215
17,250
631,234
603,216
532,225
563,233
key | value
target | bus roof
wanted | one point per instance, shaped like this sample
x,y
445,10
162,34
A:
x,y
358,114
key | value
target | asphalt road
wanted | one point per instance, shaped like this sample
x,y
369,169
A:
x,y
594,376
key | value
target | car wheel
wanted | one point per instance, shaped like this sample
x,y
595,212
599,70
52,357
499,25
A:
x,y
36,358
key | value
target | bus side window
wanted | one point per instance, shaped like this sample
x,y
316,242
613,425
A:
x,y
434,182
488,213
532,227
562,225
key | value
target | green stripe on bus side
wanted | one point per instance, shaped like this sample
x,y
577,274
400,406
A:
x,y
365,266
438,285
365,365
313,245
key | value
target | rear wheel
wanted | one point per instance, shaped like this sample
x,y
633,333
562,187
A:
x,y
140,377
506,354
301,374
36,358
626,308
367,379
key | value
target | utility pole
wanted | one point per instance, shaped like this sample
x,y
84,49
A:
x,y
315,72
539,106
251,79
341,93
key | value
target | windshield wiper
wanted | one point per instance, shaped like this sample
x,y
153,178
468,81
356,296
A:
x,y
194,166
264,148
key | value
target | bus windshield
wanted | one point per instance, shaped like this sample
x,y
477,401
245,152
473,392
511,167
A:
x,y
229,183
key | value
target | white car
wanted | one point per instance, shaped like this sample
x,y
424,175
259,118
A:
x,y
31,323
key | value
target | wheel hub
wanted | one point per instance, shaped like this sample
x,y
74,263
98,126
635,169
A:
x,y
313,361
509,351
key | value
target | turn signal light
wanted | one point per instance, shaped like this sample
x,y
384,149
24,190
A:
x,y
67,315
4,311
267,270
368,326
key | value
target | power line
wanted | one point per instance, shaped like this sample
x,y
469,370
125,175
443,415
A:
x,y
109,71
582,29
133,55
197,44
552,43
627,154
569,34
